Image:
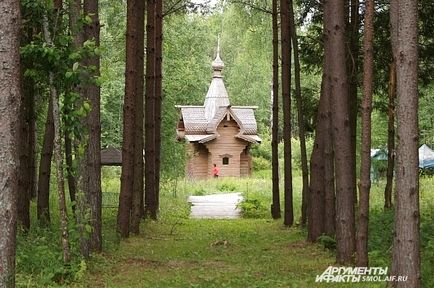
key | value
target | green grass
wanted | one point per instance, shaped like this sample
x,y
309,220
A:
x,y
180,252
213,253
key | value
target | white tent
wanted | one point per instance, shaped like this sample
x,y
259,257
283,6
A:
x,y
426,157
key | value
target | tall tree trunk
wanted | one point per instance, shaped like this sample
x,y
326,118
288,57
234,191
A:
x,y
137,30
82,209
150,191
69,171
58,4
32,146
334,14
322,200
390,136
27,139
365,161
75,26
93,123
300,117
59,174
43,203
158,95
275,207
406,245
127,177
288,219
353,71
316,196
10,98
58,153
329,168
75,12
25,150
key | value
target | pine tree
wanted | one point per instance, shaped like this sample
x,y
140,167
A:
x,y
10,99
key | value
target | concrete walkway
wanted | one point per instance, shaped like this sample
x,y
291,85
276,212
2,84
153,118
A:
x,y
216,206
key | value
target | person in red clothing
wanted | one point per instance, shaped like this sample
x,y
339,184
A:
x,y
215,171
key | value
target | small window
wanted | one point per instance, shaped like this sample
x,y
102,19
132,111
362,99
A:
x,y
225,160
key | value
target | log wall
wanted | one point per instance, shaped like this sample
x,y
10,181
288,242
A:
x,y
197,164
203,156
246,163
226,145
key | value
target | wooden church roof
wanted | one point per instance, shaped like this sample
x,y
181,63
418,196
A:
x,y
111,157
199,123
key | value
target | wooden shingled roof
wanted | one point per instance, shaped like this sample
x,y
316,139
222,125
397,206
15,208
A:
x,y
111,157
199,123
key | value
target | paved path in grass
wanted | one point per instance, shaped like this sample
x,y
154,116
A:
x,y
216,206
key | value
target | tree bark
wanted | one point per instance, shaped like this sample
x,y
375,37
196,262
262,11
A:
x,y
406,245
70,172
75,12
82,208
334,13
390,137
25,150
43,203
353,72
275,207
58,153
58,4
127,177
316,196
33,151
329,167
93,123
365,161
286,98
10,98
137,29
158,95
322,200
300,117
150,191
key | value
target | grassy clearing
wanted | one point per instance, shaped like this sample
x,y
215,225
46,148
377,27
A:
x,y
180,252
212,253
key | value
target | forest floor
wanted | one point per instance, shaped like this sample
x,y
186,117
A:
x,y
176,251
213,253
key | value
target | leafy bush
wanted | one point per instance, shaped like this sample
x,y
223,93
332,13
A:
x,y
226,186
428,264
252,208
328,242
199,191
260,164
427,242
263,150
39,253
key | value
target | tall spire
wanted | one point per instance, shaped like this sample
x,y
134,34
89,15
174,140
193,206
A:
x,y
217,95
218,64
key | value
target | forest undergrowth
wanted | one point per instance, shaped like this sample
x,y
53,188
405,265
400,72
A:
x,y
176,251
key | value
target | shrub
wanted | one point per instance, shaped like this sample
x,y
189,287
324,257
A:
x,y
251,208
263,150
327,241
260,164
39,253
199,191
226,187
